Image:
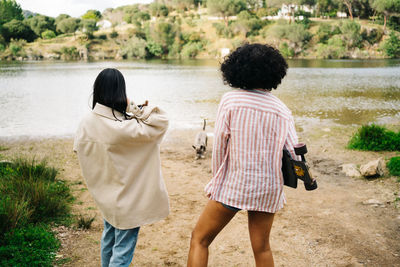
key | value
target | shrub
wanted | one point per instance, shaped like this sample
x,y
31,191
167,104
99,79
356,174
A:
x,y
296,34
154,49
394,166
13,213
391,46
48,34
372,36
102,37
191,50
375,138
30,246
334,49
222,30
134,48
47,198
70,53
325,32
285,50
351,33
114,34
85,222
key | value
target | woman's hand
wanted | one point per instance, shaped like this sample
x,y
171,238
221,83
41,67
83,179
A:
x,y
146,103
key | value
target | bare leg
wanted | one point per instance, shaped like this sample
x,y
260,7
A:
x,y
260,224
211,222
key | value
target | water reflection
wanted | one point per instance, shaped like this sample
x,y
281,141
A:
x,y
49,98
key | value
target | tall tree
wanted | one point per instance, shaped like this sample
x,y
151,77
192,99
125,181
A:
x,y
88,26
10,10
17,29
387,8
225,8
61,17
41,23
92,14
349,4
68,25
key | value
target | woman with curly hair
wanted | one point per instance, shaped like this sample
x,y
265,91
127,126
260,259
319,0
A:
x,y
251,129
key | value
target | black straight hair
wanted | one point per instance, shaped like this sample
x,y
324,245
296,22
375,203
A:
x,y
109,90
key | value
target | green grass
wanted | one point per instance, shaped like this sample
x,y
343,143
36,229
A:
x,y
375,138
85,222
29,246
31,199
394,166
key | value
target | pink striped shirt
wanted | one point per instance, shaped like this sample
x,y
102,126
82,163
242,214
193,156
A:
x,y
251,129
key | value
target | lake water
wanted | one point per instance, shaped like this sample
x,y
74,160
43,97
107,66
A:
x,y
48,99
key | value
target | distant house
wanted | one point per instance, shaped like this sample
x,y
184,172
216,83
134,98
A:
x,y
104,24
287,11
341,14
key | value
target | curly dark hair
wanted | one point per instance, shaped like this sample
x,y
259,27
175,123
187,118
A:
x,y
254,66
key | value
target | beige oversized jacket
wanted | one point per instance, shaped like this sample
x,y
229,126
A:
x,y
120,161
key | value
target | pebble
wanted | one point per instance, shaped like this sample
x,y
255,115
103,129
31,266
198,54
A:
x,y
373,202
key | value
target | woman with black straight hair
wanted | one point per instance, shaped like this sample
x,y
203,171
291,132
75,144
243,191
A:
x,y
117,145
116,98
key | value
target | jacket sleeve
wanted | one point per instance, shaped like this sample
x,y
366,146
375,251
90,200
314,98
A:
x,y
292,139
147,124
221,138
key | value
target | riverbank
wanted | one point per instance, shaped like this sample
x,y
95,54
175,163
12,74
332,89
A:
x,y
327,227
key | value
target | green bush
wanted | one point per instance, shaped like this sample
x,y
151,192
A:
x,y
351,33
48,34
325,32
394,166
296,34
391,46
31,187
372,36
191,50
114,34
375,138
16,48
134,48
222,30
154,49
70,53
30,246
85,222
334,49
286,51
13,213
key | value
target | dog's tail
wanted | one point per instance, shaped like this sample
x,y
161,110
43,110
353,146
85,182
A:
x,y
204,125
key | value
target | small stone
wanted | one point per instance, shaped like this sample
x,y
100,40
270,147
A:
x,y
373,202
373,168
351,170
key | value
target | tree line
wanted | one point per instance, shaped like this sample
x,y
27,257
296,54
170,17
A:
x,y
164,37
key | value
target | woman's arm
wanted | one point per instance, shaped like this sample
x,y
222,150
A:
x,y
292,139
221,138
147,123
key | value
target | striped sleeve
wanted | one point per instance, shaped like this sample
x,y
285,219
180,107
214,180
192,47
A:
x,y
221,137
291,138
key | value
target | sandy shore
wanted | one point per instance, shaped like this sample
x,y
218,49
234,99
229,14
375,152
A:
x,y
327,227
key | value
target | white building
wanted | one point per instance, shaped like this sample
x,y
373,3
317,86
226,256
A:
x,y
104,24
287,11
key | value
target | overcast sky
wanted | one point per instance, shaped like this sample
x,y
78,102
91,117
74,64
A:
x,y
74,8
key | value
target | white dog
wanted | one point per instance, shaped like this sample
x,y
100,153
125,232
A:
x,y
200,143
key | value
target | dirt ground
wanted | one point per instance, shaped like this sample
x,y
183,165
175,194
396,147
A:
x,y
330,226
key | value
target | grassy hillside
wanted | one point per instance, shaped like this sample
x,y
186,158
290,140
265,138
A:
x,y
195,34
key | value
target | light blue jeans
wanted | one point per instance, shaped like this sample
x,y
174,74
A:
x,y
117,246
